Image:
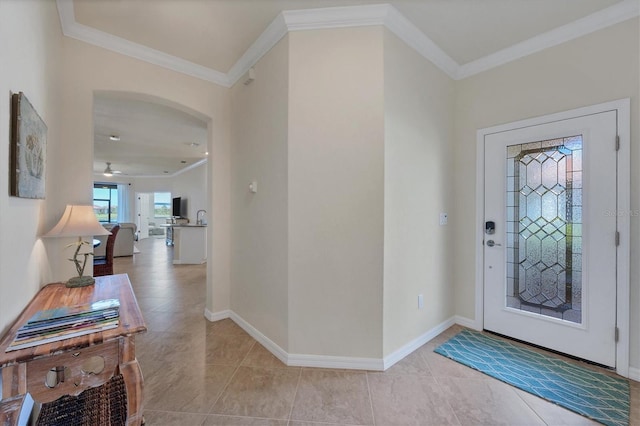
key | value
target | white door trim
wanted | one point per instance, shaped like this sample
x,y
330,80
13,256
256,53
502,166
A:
x,y
622,107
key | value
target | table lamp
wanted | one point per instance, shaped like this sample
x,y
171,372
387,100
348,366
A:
x,y
78,221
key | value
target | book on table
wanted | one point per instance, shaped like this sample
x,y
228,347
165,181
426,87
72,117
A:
x,y
71,311
66,322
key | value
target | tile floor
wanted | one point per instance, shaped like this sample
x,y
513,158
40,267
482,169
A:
x,y
202,373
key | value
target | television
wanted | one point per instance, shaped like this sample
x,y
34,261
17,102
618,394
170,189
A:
x,y
179,207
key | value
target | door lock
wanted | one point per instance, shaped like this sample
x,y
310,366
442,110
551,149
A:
x,y
489,227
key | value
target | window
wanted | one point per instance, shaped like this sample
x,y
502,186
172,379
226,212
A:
x,y
162,204
105,202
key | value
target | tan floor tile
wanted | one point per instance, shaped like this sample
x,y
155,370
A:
x,y
260,357
333,396
553,414
227,349
217,420
411,364
442,366
169,418
151,304
158,321
300,423
187,361
442,337
259,392
188,322
486,402
228,327
180,306
171,347
180,387
409,400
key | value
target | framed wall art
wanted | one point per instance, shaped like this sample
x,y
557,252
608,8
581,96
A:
x,y
28,150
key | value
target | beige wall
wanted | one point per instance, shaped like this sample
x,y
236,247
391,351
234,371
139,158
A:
x,y
599,67
418,107
336,134
87,69
259,225
34,71
336,181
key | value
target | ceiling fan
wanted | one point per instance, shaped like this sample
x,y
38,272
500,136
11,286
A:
x,y
110,172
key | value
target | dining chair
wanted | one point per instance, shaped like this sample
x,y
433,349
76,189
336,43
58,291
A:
x,y
104,265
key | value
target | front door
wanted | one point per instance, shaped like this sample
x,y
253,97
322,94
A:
x,y
550,235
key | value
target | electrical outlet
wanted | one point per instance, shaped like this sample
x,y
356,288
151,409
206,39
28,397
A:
x,y
444,219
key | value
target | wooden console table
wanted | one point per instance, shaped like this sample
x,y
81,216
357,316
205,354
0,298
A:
x,y
25,370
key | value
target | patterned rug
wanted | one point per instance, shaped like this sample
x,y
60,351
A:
x,y
595,395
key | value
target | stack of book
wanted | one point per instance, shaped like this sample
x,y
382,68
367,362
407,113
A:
x,y
66,322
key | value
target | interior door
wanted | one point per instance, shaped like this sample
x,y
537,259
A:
x,y
550,235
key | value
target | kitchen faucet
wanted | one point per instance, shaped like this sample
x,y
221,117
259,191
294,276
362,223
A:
x,y
199,220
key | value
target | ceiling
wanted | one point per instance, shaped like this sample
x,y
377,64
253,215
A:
x,y
154,140
214,37
215,33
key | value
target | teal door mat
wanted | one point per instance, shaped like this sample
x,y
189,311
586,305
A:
x,y
595,395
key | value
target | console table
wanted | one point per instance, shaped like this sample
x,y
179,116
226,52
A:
x,y
26,370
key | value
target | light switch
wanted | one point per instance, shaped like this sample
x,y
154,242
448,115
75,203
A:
x,y
253,186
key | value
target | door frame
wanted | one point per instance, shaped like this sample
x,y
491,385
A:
x,y
623,211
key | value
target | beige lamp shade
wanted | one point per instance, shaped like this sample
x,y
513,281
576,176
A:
x,y
77,221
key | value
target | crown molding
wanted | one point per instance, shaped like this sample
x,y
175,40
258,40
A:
x,y
379,14
305,19
190,167
343,17
72,29
346,17
176,173
276,30
336,17
66,13
406,31
604,18
163,176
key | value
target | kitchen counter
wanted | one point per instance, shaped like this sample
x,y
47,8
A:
x,y
178,225
189,244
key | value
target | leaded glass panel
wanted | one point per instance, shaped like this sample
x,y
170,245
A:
x,y
544,229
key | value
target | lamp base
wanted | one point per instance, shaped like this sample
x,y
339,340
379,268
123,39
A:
x,y
80,281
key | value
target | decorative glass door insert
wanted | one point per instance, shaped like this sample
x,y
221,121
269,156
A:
x,y
544,228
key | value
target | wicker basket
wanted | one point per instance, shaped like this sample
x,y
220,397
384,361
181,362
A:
x,y
102,405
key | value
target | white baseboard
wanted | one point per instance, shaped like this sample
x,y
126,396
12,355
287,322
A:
x,y
340,362
352,363
466,322
405,350
269,344
298,360
216,316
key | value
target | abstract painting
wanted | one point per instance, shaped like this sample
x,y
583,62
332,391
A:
x,y
28,149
